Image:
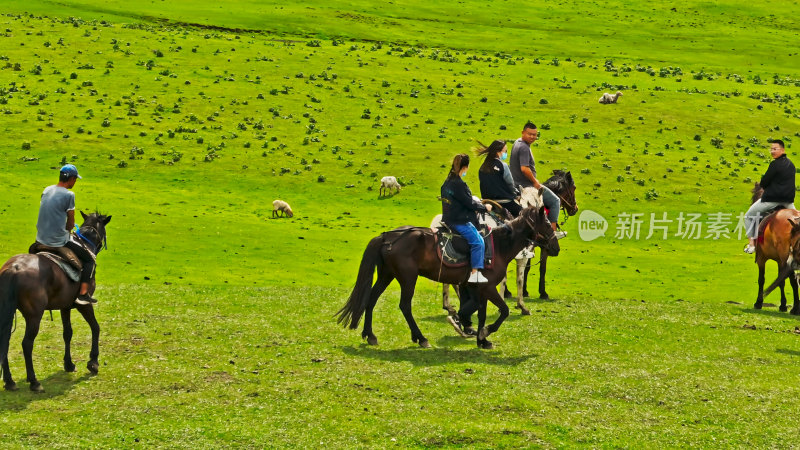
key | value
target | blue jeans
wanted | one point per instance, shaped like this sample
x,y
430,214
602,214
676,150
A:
x,y
552,203
476,246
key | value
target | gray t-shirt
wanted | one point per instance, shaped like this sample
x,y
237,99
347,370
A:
x,y
521,156
51,225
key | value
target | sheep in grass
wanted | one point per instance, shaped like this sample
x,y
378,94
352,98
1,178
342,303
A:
x,y
280,206
388,183
607,98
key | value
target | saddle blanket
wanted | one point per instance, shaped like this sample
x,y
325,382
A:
x,y
453,249
62,256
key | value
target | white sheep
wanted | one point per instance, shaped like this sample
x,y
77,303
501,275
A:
x,y
388,183
282,207
608,98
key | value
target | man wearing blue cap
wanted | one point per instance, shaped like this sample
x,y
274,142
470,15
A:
x,y
57,219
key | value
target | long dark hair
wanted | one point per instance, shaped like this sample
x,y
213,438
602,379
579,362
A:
x,y
459,162
492,152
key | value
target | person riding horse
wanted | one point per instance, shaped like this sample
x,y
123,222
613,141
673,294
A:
x,y
458,212
56,220
779,187
495,177
523,170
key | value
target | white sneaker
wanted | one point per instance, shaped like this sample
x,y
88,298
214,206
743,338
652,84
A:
x,y
560,234
477,277
749,249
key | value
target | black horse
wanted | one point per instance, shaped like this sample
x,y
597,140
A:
x,y
562,184
33,284
406,253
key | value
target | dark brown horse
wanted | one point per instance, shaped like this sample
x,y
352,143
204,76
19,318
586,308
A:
x,y
775,243
562,184
33,284
788,225
406,253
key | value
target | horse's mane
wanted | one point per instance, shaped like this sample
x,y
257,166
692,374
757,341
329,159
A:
x,y
529,197
757,192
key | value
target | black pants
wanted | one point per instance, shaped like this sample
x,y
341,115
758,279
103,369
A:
x,y
86,258
513,207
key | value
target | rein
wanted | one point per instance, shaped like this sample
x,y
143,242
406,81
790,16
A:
x,y
94,247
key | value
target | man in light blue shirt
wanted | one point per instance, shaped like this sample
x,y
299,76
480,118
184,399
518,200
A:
x,y
57,219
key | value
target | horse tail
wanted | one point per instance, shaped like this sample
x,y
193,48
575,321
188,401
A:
x,y
8,306
351,312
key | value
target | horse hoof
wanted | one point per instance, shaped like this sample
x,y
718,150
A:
x,y
37,387
424,343
783,308
69,367
453,321
485,345
526,311
483,334
795,312
470,332
544,296
93,367
372,340
757,305
11,386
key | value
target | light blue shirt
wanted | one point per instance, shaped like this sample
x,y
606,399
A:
x,y
51,227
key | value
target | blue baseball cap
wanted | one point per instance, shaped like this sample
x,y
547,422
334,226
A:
x,y
70,171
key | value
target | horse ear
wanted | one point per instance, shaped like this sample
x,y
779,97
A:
x,y
795,221
84,215
108,219
541,191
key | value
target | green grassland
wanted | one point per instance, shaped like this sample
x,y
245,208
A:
x,y
217,319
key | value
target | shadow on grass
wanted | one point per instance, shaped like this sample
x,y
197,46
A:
x,y
786,351
764,312
55,385
438,355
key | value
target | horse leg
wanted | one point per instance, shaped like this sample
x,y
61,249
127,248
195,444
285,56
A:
x,y
8,381
377,289
796,307
67,325
482,331
522,265
87,311
407,288
446,300
524,289
542,271
760,298
783,307
31,330
497,300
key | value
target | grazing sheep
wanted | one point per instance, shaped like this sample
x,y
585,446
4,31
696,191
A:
x,y
388,183
607,98
282,207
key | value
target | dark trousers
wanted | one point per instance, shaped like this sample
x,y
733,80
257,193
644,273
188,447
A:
x,y
86,258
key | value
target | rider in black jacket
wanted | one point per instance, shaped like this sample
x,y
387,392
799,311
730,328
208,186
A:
x,y
495,176
458,212
779,188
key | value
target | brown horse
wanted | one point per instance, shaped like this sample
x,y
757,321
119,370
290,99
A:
x,y
775,243
779,243
33,284
408,252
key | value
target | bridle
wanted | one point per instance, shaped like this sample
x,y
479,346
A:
x,y
100,237
538,238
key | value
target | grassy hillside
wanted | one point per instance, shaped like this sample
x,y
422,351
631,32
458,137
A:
x,y
186,134
719,35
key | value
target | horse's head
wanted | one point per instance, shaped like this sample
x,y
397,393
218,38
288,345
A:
x,y
563,185
541,232
93,229
793,260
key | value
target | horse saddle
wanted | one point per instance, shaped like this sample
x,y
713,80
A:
x,y
766,221
62,256
453,249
